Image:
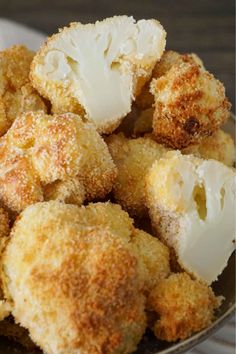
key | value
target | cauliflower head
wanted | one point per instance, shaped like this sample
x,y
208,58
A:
x,y
133,158
75,280
219,146
190,104
59,157
146,99
192,206
16,93
98,69
181,307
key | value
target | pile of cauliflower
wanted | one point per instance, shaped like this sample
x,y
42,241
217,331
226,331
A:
x,y
116,182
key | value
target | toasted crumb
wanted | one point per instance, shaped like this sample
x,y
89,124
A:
x,y
82,289
190,104
220,146
16,93
133,158
182,306
155,257
58,157
145,99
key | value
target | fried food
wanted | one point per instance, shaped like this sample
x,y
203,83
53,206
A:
x,y
75,283
183,307
220,146
190,104
192,206
154,256
169,58
16,93
84,67
53,157
133,158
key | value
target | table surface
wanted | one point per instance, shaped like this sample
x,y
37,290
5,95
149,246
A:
x,y
202,26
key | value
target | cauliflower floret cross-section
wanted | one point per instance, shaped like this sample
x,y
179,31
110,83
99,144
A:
x,y
192,206
98,69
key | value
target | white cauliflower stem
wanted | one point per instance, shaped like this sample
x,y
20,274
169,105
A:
x,y
98,67
192,204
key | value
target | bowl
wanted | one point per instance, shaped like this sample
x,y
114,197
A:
x,y
225,286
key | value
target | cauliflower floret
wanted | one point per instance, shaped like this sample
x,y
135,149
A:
x,y
133,158
192,206
154,256
53,157
169,58
219,146
16,93
182,306
190,104
75,284
98,68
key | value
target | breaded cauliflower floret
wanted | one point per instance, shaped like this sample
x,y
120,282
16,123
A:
x,y
220,146
169,58
190,104
154,256
75,284
53,157
133,158
98,69
16,93
192,206
182,306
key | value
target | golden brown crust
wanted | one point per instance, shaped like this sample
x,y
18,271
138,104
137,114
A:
x,y
183,306
154,256
40,152
220,146
16,93
133,158
82,289
190,104
169,58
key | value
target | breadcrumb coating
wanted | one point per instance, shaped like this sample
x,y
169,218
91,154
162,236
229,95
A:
x,y
182,306
192,205
220,146
133,158
98,69
190,104
58,157
154,256
75,284
169,58
16,93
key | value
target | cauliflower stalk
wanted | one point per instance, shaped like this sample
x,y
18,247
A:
x,y
99,67
192,205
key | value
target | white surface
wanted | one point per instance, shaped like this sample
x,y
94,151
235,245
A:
x,y
223,342
14,33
